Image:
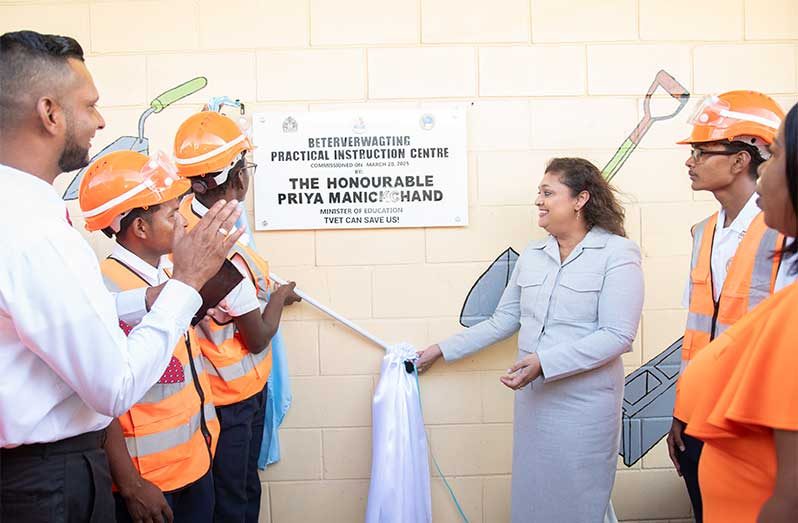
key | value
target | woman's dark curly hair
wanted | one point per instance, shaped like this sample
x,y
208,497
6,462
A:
x,y
791,152
602,209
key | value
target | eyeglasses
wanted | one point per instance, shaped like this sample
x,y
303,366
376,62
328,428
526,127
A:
x,y
698,154
249,169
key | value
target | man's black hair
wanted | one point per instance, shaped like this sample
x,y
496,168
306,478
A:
x,y
30,62
127,221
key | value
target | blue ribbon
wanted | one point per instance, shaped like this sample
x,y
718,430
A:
x,y
435,462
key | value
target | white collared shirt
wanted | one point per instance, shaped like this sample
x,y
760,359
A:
x,y
724,244
154,276
67,367
131,306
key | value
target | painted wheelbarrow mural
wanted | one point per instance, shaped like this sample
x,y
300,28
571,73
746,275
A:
x,y
649,392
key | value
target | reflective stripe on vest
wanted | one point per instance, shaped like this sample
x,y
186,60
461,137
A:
x,y
239,369
699,322
162,441
749,281
218,334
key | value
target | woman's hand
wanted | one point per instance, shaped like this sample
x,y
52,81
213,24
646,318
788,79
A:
x,y
523,372
427,357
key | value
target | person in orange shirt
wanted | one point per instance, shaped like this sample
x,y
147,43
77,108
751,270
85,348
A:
x,y
740,393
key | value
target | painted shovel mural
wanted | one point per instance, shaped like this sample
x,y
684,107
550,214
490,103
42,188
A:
x,y
140,143
663,81
649,391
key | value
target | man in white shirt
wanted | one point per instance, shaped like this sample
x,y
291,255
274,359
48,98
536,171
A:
x,y
732,267
67,366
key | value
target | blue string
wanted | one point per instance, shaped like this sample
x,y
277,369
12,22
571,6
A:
x,y
434,461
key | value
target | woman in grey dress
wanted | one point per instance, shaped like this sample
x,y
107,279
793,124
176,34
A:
x,y
576,298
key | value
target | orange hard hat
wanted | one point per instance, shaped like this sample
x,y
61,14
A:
x,y
209,142
747,116
121,181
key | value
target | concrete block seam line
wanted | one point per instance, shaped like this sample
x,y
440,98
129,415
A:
x,y
586,83
419,7
268,486
637,20
91,39
198,29
321,454
477,87
309,7
743,21
366,77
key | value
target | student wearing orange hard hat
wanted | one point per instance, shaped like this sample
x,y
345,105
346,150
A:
x,y
740,394
731,269
210,151
160,451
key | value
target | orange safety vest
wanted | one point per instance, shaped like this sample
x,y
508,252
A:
x,y
235,373
750,279
171,433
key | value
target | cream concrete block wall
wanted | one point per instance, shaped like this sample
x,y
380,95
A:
x,y
377,22
149,25
280,24
771,19
475,21
307,75
689,20
607,20
525,70
541,79
621,68
422,72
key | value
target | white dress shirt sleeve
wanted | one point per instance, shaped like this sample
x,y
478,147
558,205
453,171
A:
x,y
244,297
65,315
241,300
131,306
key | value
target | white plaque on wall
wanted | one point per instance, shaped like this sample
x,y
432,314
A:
x,y
346,169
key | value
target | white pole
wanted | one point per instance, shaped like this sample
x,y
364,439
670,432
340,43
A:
x,y
326,310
